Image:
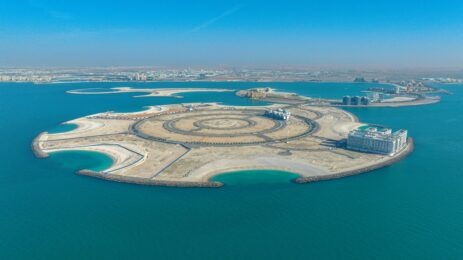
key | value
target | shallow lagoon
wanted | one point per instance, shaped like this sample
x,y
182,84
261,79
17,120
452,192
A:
x,y
78,160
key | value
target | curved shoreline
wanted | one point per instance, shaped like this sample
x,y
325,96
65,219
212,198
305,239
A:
x,y
410,148
216,184
205,162
36,149
290,99
115,155
149,92
149,182
419,102
73,126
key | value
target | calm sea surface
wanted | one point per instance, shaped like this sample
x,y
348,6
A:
x,y
411,210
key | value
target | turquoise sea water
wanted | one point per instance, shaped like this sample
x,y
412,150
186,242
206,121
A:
x,y
62,128
255,177
411,210
78,160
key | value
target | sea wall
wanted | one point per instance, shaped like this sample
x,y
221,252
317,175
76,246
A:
x,y
212,184
408,150
128,179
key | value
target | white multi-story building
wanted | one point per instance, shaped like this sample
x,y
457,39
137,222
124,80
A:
x,y
278,114
374,140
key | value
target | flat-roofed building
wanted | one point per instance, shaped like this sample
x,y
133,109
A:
x,y
278,114
355,100
346,100
377,140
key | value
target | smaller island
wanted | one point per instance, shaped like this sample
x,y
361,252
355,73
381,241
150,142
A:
x,y
149,92
372,98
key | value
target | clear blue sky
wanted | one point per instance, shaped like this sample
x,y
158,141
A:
x,y
365,34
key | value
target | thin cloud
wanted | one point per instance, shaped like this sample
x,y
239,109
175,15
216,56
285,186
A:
x,y
216,19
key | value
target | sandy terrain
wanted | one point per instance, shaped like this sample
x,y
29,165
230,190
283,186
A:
x,y
170,146
151,92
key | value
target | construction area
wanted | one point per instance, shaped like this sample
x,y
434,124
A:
x,y
187,144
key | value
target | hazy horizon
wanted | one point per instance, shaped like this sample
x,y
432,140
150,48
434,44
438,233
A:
x,y
339,34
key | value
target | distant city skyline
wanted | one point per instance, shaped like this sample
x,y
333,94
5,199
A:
x,y
348,34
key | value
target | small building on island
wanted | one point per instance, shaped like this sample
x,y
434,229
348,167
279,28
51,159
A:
x,y
346,100
279,114
355,101
377,140
364,101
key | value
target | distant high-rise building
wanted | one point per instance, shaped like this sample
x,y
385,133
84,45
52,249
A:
x,y
355,101
365,101
360,80
202,76
346,100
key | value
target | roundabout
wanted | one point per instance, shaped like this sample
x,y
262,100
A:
x,y
222,127
224,123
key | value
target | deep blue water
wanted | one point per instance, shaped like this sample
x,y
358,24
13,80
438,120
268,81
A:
x,y
410,210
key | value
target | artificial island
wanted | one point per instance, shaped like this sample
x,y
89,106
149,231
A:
x,y
187,144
